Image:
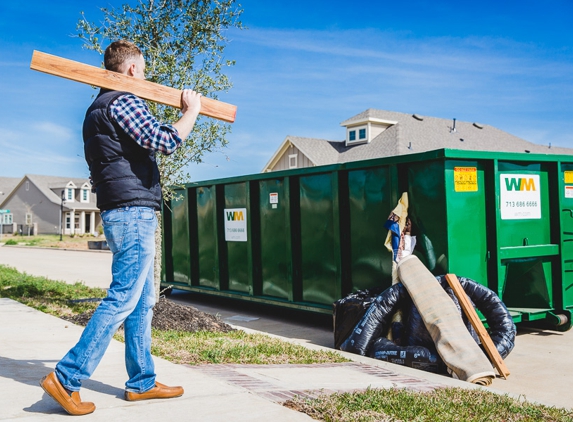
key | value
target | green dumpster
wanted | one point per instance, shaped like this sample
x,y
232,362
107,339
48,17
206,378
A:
x,y
305,238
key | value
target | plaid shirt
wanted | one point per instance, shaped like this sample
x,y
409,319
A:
x,y
133,116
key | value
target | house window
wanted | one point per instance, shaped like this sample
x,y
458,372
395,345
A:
x,y
293,161
70,194
68,221
85,195
362,134
27,186
352,135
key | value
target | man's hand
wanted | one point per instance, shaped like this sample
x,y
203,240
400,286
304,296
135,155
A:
x,y
191,101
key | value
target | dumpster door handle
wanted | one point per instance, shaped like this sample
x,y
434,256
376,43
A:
x,y
525,241
570,211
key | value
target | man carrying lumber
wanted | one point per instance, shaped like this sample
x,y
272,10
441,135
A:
x,y
121,138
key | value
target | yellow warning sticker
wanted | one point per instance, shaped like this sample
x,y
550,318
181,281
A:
x,y
569,177
465,179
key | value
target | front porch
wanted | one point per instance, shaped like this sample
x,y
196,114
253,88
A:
x,y
81,222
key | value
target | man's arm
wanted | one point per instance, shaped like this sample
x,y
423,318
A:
x,y
133,116
191,107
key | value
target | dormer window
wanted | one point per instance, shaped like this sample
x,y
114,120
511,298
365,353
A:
x,y
365,127
85,193
357,135
70,192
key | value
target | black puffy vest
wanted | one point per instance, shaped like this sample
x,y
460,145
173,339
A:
x,y
123,172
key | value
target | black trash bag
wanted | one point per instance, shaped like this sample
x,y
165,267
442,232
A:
x,y
501,328
349,310
416,332
417,357
376,320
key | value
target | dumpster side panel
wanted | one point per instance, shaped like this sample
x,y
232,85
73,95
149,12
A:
x,y
524,235
370,202
207,245
275,238
319,239
180,238
566,216
427,210
466,213
238,250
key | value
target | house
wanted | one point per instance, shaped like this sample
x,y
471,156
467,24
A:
x,y
43,204
378,133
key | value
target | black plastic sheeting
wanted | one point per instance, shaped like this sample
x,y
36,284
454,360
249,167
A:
x,y
417,357
370,318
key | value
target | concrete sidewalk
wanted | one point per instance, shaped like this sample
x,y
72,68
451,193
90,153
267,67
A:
x,y
32,343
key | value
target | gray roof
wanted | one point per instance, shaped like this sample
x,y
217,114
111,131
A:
x,y
51,187
46,183
7,185
417,134
319,151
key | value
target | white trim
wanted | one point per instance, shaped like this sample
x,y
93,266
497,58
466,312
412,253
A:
x,y
357,139
277,155
290,161
87,192
280,152
365,120
73,194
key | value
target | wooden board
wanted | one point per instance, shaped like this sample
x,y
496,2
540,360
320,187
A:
x,y
482,333
102,78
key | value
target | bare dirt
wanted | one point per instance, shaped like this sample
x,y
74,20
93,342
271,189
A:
x,y
168,315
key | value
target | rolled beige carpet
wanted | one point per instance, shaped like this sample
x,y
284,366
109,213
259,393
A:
x,y
455,345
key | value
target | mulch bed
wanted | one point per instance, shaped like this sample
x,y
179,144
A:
x,y
168,315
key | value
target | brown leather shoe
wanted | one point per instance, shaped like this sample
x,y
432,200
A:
x,y
72,404
160,391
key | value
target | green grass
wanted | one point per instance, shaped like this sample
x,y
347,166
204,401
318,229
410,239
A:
x,y
444,405
53,297
235,347
51,241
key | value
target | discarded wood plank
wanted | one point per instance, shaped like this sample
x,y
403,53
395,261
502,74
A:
x,y
103,78
482,333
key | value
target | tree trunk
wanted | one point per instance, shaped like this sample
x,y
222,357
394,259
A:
x,y
158,255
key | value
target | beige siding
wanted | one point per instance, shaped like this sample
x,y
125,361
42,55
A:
x,y
302,160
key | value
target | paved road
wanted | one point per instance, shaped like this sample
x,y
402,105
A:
x,y
541,364
93,268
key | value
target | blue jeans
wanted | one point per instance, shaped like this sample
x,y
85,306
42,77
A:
x,y
130,234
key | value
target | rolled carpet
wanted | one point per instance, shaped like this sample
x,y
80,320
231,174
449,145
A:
x,y
455,345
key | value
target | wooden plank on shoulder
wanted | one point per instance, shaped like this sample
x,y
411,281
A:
x,y
482,333
103,78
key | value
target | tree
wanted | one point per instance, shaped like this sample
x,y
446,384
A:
x,y
183,42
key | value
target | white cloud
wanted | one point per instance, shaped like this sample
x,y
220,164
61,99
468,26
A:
x,y
54,131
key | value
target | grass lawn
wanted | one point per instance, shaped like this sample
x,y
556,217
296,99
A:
x,y
443,405
51,241
451,404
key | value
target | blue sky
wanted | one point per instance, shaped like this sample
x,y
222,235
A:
x,y
305,66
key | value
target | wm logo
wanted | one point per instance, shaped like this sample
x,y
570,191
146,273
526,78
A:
x,y
235,216
519,184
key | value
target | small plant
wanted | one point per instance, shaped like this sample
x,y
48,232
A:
x,y
11,242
